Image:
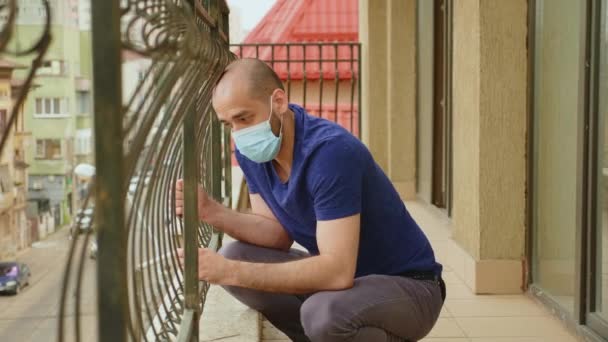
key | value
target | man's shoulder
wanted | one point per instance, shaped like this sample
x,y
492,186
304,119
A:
x,y
339,144
336,150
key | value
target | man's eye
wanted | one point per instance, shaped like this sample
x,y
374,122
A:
x,y
242,119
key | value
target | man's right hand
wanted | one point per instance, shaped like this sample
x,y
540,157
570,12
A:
x,y
206,205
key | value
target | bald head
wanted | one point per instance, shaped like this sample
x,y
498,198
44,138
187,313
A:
x,y
242,96
258,79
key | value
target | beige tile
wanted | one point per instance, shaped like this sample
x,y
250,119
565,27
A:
x,y
446,327
459,291
451,278
441,339
456,258
445,313
440,247
470,271
538,326
494,306
525,339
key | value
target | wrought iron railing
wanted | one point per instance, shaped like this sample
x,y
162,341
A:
x,y
323,77
165,130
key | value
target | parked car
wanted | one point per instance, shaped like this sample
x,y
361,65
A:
x,y
13,277
82,221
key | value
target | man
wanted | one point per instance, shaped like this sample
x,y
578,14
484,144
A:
x,y
370,273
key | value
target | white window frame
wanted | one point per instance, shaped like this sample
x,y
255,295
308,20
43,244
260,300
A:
x,y
43,156
48,105
80,95
83,142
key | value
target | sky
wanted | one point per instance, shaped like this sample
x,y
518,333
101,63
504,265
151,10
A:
x,y
251,11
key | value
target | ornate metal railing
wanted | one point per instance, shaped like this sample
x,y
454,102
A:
x,y
163,130
323,77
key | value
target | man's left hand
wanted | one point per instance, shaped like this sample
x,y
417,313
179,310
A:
x,y
212,267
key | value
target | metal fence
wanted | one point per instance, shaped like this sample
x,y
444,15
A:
x,y
323,77
145,139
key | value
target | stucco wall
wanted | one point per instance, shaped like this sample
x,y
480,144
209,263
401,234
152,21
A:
x,y
387,33
373,35
401,95
502,128
489,97
465,111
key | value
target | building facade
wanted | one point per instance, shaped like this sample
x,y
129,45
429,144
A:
x,y
15,232
58,111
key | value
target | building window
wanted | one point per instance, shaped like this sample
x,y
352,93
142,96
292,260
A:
x,y
558,40
84,102
51,107
83,142
53,68
48,149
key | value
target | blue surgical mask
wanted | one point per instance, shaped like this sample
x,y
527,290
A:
x,y
257,142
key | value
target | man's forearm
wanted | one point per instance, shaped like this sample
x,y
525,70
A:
x,y
317,273
251,228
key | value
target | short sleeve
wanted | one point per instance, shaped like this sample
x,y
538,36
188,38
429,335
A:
x,y
253,188
335,180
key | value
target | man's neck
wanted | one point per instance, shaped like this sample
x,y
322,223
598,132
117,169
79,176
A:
x,y
284,159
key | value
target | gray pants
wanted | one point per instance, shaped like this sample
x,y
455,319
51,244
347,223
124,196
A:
x,y
376,308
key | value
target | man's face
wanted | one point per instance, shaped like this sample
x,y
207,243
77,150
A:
x,y
236,109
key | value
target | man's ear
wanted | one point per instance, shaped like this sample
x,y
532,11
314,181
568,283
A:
x,y
281,101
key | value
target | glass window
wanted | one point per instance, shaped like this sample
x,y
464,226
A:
x,y
39,106
54,149
47,106
83,102
557,80
48,149
601,296
40,148
56,106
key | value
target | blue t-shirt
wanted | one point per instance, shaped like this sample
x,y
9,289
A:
x,y
333,176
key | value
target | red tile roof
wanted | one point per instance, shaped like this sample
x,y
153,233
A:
x,y
308,20
311,21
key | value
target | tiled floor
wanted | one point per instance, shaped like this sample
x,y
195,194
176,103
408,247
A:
x,y
471,318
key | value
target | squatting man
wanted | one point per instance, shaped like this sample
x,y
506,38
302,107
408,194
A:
x,y
368,273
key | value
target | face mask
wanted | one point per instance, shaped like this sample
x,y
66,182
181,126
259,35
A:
x,y
258,143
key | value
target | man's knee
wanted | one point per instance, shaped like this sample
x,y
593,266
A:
x,y
236,250
324,317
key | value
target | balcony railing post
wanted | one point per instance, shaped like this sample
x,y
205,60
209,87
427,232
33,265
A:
x,y
216,156
190,166
110,207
